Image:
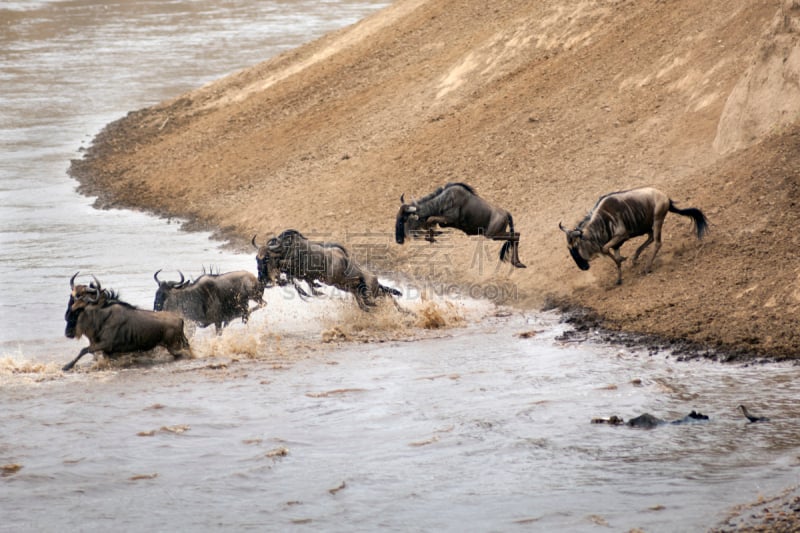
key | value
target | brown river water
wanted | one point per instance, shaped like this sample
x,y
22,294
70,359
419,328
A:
x,y
480,424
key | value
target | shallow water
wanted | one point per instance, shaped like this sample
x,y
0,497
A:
x,y
468,427
477,428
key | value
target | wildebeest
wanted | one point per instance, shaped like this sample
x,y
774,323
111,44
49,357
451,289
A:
x,y
619,216
457,205
267,280
648,421
114,327
750,417
314,262
210,299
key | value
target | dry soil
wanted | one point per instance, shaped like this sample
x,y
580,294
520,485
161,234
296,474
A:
x,y
542,107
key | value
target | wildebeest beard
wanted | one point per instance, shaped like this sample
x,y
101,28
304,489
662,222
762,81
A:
x,y
405,224
71,317
582,263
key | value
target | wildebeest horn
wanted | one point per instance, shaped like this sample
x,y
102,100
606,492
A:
x,y
402,198
562,228
180,283
98,289
155,277
273,244
254,242
72,280
411,209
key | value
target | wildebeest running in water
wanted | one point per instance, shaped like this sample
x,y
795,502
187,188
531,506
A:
x,y
619,216
299,258
115,327
210,299
457,205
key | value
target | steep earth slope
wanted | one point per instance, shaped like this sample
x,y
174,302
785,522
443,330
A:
x,y
542,107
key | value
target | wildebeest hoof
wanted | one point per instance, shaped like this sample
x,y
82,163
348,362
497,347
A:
x,y
519,265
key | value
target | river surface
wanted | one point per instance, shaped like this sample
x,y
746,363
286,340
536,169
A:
x,y
481,424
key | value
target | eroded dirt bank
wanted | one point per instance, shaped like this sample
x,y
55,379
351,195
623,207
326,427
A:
x,y
542,108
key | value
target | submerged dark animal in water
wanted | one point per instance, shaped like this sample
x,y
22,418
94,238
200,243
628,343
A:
x,y
752,418
114,327
648,421
457,205
210,299
299,258
620,216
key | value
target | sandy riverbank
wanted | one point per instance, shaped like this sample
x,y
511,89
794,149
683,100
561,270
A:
x,y
542,109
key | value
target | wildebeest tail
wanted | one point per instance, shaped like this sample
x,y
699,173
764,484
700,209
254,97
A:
x,y
700,220
507,245
389,290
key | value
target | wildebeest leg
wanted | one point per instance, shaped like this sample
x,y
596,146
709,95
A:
x,y
181,349
514,244
657,237
642,247
83,352
432,234
314,285
618,259
362,302
431,222
496,231
612,250
362,295
300,292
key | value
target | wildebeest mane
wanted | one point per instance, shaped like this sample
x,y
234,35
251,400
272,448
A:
x,y
440,190
335,245
112,298
293,233
290,233
582,224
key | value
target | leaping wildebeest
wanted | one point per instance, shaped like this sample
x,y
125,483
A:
x,y
620,216
299,258
210,299
457,205
115,327
267,280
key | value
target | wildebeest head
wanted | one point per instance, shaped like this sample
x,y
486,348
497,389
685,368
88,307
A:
x,y
267,258
577,246
165,288
80,297
407,220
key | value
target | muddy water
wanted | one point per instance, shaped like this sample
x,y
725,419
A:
x,y
475,429
468,427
